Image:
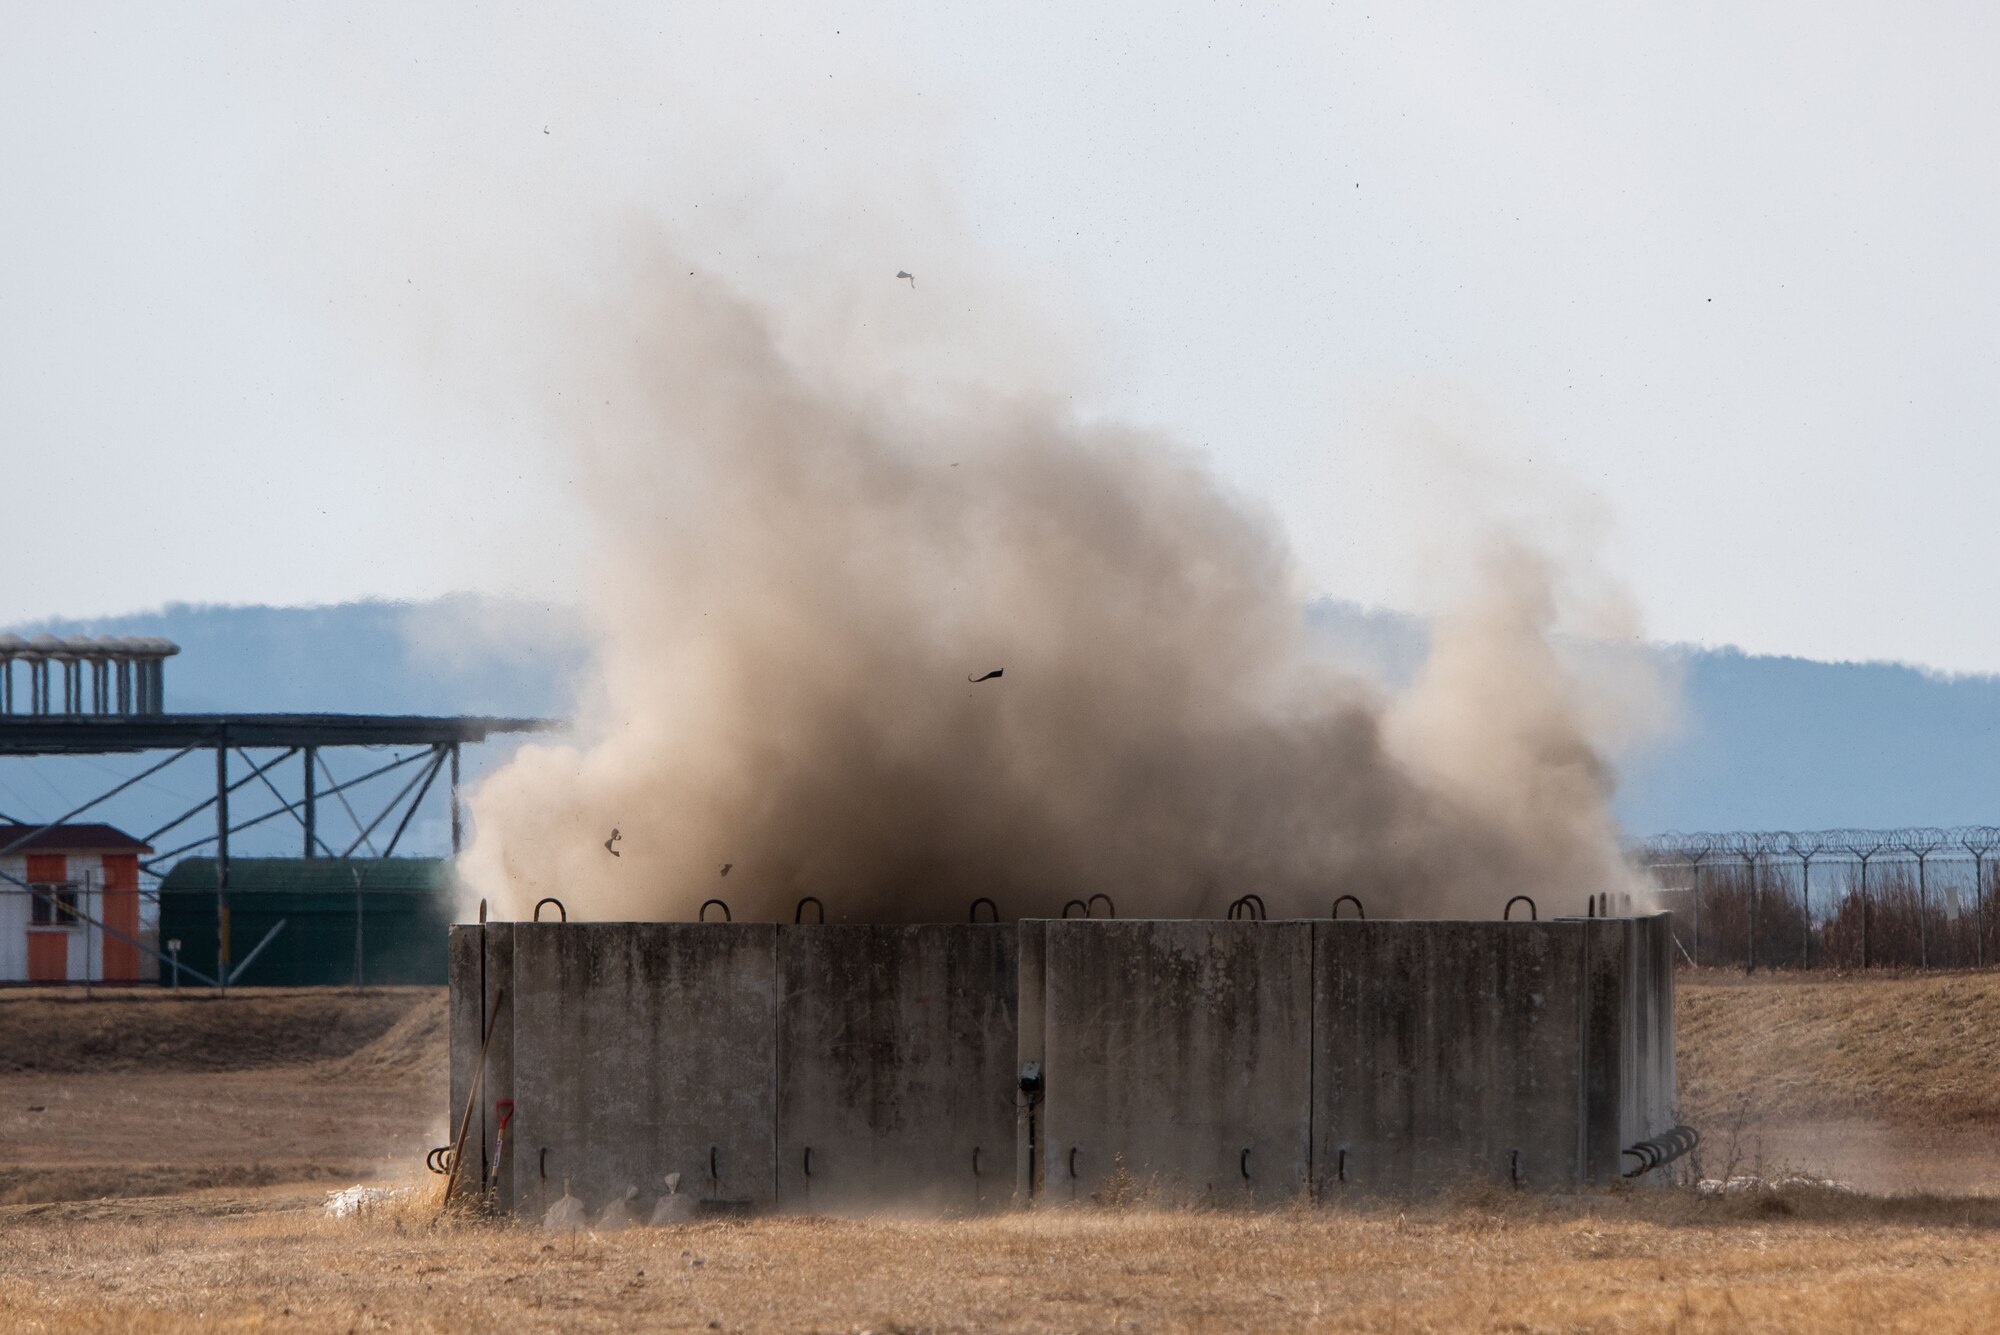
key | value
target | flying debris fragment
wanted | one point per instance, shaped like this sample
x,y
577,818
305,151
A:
x,y
726,866
615,837
905,273
987,676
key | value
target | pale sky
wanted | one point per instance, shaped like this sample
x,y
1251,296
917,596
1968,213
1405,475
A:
x,y
1722,280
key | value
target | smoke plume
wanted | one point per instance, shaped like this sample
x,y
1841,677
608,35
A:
x,y
801,570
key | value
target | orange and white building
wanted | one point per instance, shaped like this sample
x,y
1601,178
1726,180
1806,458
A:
x,y
60,889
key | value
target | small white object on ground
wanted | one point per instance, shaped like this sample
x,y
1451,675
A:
x,y
673,1208
619,1214
358,1200
566,1213
1748,1182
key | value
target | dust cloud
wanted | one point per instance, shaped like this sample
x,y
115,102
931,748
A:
x,y
800,567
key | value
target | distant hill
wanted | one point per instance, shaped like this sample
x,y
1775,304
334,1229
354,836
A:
x,y
1773,743
1765,742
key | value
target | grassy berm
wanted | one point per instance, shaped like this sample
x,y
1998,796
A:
x,y
174,1182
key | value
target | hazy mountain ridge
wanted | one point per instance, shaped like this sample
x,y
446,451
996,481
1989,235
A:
x,y
1764,742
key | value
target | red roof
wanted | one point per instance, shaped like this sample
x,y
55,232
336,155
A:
x,y
70,839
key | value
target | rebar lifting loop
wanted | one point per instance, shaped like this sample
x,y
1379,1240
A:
x,y
1507,914
975,1161
1076,904
973,914
799,913
1243,1163
1249,906
1359,912
1110,909
808,1163
1072,1159
701,915
439,1160
550,899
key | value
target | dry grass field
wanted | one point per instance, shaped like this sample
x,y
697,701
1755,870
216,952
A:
x,y
1890,1083
175,1182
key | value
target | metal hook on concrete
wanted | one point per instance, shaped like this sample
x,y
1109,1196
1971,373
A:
x,y
439,1160
1340,1167
809,1161
1076,904
1507,914
975,1161
714,1174
1514,1168
542,1164
701,915
1249,906
1359,912
799,913
1110,909
1243,1163
550,899
1072,1160
973,915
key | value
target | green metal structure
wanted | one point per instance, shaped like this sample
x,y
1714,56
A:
x,y
406,908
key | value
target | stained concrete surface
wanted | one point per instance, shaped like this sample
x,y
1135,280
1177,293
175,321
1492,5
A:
x,y
896,1077
1178,1057
837,1068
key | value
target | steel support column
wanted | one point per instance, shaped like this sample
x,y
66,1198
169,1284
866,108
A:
x,y
310,822
222,865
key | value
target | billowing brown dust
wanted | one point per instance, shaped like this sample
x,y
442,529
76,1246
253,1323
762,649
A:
x,y
800,572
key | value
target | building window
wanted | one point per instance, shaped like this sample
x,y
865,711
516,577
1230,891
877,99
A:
x,y
53,905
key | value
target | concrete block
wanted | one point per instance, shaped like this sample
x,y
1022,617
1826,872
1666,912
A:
x,y
1444,1052
642,1049
896,1068
1179,1053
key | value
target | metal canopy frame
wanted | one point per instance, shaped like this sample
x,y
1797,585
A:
x,y
437,739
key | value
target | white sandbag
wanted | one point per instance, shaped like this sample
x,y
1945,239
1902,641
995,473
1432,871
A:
x,y
566,1213
619,1214
674,1208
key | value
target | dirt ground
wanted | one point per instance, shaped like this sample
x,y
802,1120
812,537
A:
x,y
174,1178
1890,1083
141,1092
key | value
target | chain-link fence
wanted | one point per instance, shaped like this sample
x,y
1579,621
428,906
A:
x,y
1841,899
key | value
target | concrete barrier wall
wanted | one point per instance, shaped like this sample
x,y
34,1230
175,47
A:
x,y
642,1049
1445,1054
838,1068
1177,1054
896,1077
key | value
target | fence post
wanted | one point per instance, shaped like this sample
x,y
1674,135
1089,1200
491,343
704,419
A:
x,y
1864,914
1923,911
1979,909
1695,894
1750,944
1805,910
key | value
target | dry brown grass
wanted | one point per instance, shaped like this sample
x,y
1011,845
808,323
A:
x,y
59,1031
143,1092
1895,1058
1916,1049
1632,1261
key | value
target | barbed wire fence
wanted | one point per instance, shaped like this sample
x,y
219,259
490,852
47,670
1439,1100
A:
x,y
1919,897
